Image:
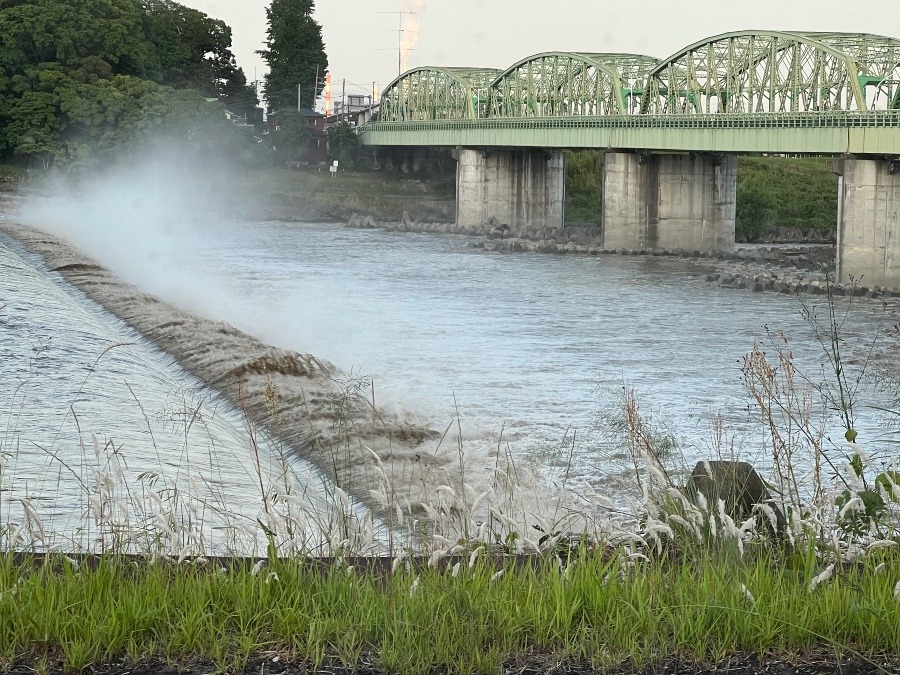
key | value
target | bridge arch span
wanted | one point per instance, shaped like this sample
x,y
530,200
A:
x,y
777,72
431,93
563,84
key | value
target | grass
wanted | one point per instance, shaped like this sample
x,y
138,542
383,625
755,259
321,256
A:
x,y
279,181
599,611
312,195
584,186
13,172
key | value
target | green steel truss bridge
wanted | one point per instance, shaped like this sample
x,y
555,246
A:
x,y
744,92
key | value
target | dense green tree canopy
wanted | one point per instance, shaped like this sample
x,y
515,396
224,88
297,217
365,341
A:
x,y
295,54
67,31
83,81
343,145
191,50
292,134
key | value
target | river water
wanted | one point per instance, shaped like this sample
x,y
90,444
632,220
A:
x,y
536,347
528,354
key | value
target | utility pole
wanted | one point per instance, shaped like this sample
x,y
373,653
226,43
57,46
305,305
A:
x,y
344,115
315,92
400,32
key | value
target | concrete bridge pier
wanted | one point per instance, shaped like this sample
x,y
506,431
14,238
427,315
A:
x,y
520,188
868,229
675,202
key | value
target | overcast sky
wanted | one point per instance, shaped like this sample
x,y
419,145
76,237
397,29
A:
x,y
362,44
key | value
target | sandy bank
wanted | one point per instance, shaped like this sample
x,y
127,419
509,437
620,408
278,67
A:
x,y
304,402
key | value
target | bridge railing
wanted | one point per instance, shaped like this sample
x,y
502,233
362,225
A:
x,y
842,119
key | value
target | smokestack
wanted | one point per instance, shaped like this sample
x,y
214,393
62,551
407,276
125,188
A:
x,y
327,94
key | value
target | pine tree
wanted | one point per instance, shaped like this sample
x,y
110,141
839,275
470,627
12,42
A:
x,y
295,53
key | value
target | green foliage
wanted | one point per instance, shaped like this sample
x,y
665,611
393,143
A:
x,y
597,613
292,134
83,82
192,50
295,53
343,145
777,192
67,31
583,186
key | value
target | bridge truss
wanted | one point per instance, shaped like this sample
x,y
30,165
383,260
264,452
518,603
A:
x,y
771,72
755,72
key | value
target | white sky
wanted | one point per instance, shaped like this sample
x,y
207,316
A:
x,y
362,44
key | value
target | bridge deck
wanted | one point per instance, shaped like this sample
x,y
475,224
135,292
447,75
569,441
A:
x,y
834,133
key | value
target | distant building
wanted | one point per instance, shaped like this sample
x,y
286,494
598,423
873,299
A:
x,y
248,119
317,152
356,111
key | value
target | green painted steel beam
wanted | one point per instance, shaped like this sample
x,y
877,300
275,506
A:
x,y
871,133
437,93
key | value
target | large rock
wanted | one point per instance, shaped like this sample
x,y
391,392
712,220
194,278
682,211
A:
x,y
736,483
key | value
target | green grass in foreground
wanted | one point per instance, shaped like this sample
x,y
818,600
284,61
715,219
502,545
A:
x,y
597,613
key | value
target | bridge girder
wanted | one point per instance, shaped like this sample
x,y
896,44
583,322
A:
x,y
437,94
777,72
563,84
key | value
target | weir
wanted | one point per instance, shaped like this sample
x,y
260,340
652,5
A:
x,y
674,202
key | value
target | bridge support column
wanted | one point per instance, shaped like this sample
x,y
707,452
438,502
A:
x,y
520,188
675,202
868,229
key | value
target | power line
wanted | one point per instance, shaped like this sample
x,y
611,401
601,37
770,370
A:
x,y
400,31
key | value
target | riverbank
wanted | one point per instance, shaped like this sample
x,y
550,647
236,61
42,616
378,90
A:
x,y
783,268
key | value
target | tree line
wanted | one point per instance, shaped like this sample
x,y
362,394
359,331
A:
x,y
84,82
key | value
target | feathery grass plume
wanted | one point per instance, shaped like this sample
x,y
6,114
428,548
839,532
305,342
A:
x,y
821,578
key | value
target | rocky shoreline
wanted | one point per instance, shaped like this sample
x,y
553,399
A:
x,y
781,268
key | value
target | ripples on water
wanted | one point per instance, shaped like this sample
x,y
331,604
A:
x,y
82,397
537,345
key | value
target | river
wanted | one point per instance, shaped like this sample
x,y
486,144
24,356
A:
x,y
528,354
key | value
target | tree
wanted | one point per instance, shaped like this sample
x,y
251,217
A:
x,y
292,134
193,51
343,145
295,53
66,31
80,81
